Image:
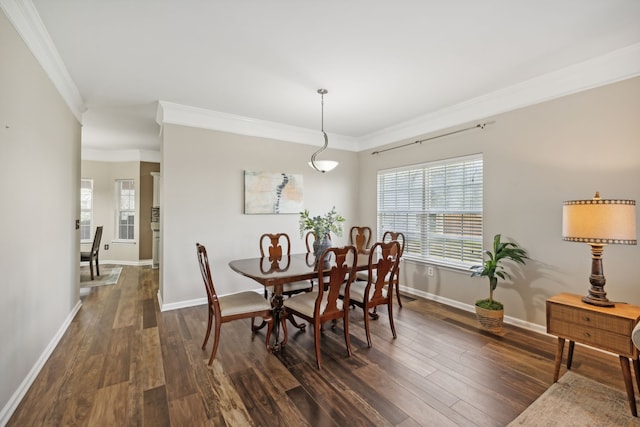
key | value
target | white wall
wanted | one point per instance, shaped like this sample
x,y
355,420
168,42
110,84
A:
x,y
39,189
203,201
534,159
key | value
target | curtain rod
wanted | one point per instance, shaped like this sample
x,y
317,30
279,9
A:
x,y
420,141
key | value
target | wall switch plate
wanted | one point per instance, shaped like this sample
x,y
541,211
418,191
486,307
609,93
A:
x,y
106,247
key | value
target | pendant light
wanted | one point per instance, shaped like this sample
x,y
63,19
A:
x,y
322,165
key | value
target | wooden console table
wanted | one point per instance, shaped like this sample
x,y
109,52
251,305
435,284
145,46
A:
x,y
606,328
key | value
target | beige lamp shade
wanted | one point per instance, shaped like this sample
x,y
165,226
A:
x,y
599,221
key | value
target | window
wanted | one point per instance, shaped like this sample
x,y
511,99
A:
x,y
86,209
438,206
126,209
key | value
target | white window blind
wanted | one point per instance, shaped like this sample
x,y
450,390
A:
x,y
86,209
438,207
126,206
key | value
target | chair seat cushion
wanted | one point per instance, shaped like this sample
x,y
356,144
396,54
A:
x,y
242,302
305,303
297,286
357,289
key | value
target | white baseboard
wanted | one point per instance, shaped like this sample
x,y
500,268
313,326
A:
x,y
181,304
189,303
470,308
22,389
138,263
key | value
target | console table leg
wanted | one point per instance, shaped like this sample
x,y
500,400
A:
x,y
628,384
570,354
636,367
559,350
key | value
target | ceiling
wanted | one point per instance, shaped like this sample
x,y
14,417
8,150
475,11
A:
x,y
385,64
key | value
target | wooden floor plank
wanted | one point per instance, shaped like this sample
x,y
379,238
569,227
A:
x,y
152,356
110,406
156,407
259,403
187,411
116,367
314,414
149,313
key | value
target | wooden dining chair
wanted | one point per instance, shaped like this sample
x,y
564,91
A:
x,y
322,305
383,262
390,236
276,247
226,308
360,237
92,256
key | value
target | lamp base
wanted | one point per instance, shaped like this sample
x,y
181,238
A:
x,y
599,301
597,295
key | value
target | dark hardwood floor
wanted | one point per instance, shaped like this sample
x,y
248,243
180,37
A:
x,y
123,362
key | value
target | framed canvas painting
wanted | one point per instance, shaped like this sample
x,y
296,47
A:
x,y
273,193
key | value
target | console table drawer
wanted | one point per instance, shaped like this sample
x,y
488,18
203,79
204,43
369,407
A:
x,y
591,319
601,338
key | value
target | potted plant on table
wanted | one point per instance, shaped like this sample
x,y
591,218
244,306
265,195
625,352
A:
x,y
321,225
490,313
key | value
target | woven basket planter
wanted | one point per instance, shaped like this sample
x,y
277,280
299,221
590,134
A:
x,y
490,320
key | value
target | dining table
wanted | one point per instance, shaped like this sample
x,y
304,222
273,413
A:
x,y
274,272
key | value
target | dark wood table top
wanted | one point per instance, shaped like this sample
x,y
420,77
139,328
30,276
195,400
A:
x,y
288,269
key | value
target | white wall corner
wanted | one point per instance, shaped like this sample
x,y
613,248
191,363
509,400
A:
x,y
26,20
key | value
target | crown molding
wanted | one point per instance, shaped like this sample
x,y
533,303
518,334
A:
x,y
100,155
26,20
615,66
178,114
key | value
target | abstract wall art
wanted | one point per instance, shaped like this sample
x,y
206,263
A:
x,y
273,193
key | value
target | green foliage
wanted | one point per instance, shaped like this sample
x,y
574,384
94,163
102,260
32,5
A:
x,y
493,268
321,225
487,304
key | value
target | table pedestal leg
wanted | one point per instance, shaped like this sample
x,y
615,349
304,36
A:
x,y
278,315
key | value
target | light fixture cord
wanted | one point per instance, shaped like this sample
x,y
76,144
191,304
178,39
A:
x,y
322,112
326,139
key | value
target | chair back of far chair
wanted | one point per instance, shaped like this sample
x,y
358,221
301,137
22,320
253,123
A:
x,y
360,237
276,245
389,236
205,271
384,260
96,241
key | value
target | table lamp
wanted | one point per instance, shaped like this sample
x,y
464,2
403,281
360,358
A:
x,y
599,222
